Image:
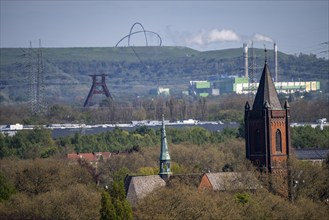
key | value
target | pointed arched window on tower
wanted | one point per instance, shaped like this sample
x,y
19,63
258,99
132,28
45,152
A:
x,y
278,141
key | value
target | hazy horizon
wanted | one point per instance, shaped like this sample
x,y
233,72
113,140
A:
x,y
296,26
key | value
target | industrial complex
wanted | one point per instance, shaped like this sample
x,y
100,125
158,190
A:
x,y
244,84
241,85
247,84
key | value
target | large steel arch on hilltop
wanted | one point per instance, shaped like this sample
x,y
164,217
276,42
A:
x,y
137,32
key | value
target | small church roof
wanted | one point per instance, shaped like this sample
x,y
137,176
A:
x,y
137,187
228,181
266,92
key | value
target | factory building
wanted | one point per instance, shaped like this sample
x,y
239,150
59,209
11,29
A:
x,y
240,85
200,88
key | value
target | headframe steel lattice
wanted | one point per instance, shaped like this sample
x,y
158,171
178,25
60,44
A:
x,y
98,87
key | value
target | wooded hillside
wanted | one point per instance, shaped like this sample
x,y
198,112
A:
x,y
133,71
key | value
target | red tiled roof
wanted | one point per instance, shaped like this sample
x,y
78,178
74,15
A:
x,y
106,155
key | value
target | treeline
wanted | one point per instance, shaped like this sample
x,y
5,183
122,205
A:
x,y
38,143
226,108
306,137
29,144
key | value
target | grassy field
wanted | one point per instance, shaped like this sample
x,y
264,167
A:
x,y
10,56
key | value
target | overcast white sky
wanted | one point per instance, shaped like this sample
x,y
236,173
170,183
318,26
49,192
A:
x,y
296,26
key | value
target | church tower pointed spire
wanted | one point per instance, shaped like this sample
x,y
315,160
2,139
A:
x,y
164,154
266,91
267,133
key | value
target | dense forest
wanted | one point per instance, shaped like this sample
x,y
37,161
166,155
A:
x,y
37,182
133,71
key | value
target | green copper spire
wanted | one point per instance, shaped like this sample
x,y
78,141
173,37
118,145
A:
x,y
164,154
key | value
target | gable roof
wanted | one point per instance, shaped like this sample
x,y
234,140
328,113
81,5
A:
x,y
266,92
137,187
228,181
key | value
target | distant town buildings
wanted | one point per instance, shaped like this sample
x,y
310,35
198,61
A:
x,y
92,158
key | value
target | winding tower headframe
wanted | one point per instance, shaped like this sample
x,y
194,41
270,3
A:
x,y
98,87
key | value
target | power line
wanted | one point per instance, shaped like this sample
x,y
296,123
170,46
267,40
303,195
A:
x,y
317,49
34,66
252,84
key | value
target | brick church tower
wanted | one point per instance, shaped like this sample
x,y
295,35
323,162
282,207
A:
x,y
267,132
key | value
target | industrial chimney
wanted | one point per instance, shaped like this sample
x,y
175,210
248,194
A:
x,y
245,56
276,62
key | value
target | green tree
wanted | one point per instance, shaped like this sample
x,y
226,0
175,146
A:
x,y
122,207
124,210
28,144
120,174
242,198
6,189
306,136
198,135
230,115
107,211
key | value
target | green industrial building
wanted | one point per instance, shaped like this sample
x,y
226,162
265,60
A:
x,y
240,85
